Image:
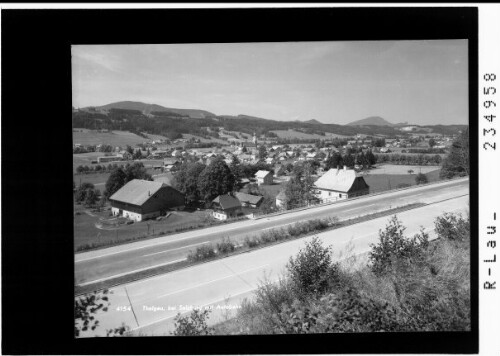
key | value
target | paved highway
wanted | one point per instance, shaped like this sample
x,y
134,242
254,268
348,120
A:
x,y
149,305
115,261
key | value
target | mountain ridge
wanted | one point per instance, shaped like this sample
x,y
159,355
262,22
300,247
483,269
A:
x,y
147,109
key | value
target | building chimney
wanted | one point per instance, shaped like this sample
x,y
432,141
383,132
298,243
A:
x,y
345,168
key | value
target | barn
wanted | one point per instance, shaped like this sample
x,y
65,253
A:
x,y
339,184
141,199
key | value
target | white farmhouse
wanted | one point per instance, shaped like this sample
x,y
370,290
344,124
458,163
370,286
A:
x,y
339,184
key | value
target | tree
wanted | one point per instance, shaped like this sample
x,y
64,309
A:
x,y
136,171
116,180
82,191
348,160
371,157
186,180
334,161
432,143
129,149
235,167
293,193
457,162
91,197
312,269
216,179
421,178
137,154
394,248
262,152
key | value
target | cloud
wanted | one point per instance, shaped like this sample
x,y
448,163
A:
x,y
103,60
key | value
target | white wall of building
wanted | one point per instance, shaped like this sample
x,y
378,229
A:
x,y
330,195
219,216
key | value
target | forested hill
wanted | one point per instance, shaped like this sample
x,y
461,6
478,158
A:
x,y
148,109
372,120
154,119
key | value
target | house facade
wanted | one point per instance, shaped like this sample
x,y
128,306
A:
x,y
225,207
139,200
338,184
281,200
264,178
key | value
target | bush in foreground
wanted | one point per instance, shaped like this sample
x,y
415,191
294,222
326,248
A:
x,y
193,324
424,287
394,248
312,268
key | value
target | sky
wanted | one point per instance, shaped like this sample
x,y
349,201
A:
x,y
419,82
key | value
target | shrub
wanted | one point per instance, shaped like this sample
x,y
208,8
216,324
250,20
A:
x,y
193,324
393,248
312,268
344,311
201,253
251,241
421,178
452,226
271,297
225,246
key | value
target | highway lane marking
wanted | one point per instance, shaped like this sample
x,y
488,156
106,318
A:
x,y
249,224
174,249
130,272
204,283
200,234
162,264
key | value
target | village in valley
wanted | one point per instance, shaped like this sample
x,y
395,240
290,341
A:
x,y
263,175
287,188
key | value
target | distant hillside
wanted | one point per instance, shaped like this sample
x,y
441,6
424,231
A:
x,y
372,120
313,121
140,118
147,109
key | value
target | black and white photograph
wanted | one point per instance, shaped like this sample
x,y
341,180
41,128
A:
x,y
271,188
249,179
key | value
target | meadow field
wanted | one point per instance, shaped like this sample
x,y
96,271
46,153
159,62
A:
x,y
302,135
402,169
86,233
383,182
114,138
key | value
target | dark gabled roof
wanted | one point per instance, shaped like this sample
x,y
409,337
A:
x,y
227,202
248,198
170,161
136,192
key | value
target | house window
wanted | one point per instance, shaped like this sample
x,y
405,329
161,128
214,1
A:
x,y
329,194
340,195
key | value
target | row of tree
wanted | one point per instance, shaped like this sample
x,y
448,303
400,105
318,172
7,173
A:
x,y
418,160
364,160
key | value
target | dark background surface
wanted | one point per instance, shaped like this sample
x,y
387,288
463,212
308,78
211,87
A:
x,y
37,216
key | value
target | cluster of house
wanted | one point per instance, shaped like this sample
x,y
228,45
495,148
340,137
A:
x,y
139,200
